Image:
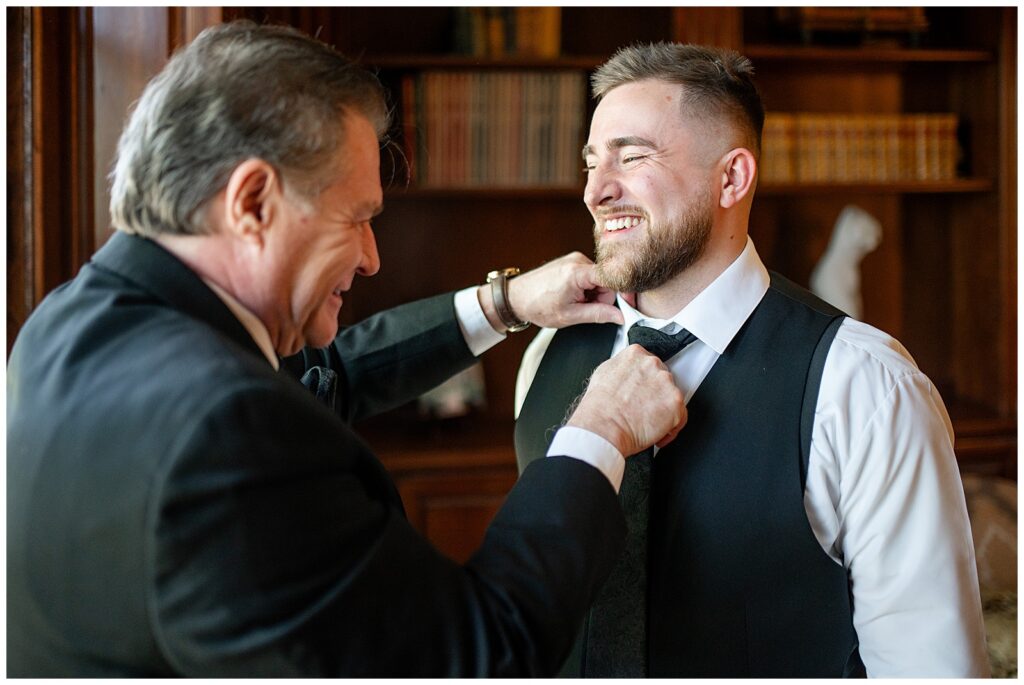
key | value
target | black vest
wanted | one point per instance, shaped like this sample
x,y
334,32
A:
x,y
738,585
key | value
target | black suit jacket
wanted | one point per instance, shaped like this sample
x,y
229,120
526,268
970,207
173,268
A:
x,y
175,507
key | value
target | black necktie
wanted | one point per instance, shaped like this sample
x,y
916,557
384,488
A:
x,y
615,644
661,345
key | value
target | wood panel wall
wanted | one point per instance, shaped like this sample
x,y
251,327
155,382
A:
x,y
72,75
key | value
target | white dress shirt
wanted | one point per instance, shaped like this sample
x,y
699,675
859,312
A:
x,y
249,321
883,493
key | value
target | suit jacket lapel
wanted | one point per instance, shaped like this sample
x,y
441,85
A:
x,y
157,271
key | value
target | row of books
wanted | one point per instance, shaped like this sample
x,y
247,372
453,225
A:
x,y
508,31
798,147
493,128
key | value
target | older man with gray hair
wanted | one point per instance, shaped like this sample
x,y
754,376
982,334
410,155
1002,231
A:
x,y
179,503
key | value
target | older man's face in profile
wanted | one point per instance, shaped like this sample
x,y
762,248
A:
x,y
326,245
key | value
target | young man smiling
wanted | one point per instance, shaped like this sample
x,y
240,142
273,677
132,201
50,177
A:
x,y
809,520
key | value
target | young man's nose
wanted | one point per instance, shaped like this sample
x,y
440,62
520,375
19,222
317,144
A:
x,y
602,187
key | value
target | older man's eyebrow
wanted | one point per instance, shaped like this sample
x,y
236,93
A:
x,y
617,143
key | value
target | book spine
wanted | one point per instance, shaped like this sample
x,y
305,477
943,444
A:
x,y
515,129
849,148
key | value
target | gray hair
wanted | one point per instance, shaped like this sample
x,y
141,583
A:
x,y
717,82
238,91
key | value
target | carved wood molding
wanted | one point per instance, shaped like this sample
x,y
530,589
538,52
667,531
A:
x,y
49,104
185,23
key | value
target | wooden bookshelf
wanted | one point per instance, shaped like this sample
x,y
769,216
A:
x,y
452,476
492,192
418,62
943,268
960,185
943,280
869,55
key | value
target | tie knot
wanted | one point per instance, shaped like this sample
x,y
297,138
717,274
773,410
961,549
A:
x,y
323,383
661,345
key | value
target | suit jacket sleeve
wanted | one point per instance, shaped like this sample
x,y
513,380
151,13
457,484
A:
x,y
275,550
391,357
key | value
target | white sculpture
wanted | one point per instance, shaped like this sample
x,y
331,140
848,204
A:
x,y
836,277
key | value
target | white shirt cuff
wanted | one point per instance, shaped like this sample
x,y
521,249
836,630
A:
x,y
581,444
476,329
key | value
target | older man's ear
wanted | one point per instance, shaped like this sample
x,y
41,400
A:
x,y
252,199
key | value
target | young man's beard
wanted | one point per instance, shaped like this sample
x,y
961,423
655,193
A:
x,y
662,253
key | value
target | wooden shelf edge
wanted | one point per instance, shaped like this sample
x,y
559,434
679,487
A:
x,y
863,55
495,192
406,446
985,440
463,459
963,185
754,51
413,62
975,427
983,444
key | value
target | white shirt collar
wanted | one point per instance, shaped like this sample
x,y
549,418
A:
x,y
721,309
250,321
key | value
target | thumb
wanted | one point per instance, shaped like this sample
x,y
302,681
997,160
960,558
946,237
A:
x,y
598,312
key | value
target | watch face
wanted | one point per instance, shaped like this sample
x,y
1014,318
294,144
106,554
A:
x,y
511,271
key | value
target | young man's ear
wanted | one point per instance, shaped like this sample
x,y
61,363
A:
x,y
250,200
739,171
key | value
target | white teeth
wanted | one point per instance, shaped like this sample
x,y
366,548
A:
x,y
621,223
